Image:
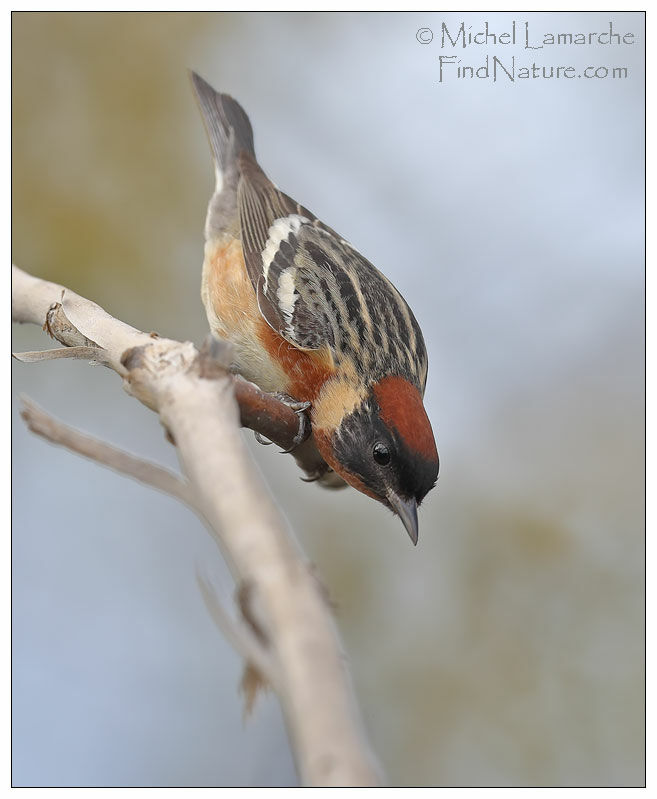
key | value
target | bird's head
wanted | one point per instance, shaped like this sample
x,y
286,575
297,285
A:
x,y
383,446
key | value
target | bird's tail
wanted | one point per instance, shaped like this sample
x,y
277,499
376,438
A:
x,y
226,122
230,134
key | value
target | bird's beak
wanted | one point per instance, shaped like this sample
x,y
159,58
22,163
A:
x,y
406,509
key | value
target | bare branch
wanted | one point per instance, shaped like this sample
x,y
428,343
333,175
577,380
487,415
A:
x,y
287,629
82,353
46,426
148,473
111,340
239,635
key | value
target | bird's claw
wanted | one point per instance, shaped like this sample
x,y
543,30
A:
x,y
304,430
300,409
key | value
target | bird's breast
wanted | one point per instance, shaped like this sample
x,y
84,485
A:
x,y
261,354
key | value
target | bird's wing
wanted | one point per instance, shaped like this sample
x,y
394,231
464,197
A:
x,y
281,240
315,289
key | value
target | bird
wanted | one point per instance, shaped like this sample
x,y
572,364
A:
x,y
313,321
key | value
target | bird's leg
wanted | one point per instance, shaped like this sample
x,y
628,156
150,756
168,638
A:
x,y
300,409
304,430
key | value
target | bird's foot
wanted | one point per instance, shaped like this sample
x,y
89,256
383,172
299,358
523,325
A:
x,y
304,430
300,409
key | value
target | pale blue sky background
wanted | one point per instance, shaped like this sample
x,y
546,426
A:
x,y
507,649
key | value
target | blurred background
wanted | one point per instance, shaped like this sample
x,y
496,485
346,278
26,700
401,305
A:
x,y
508,648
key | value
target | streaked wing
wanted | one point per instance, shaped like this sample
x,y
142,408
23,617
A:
x,y
316,290
270,222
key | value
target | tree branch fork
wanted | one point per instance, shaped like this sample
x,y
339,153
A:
x,y
283,625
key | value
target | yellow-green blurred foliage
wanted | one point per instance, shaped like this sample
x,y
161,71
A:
x,y
102,190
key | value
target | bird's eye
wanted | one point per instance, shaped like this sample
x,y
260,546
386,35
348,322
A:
x,y
381,454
